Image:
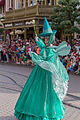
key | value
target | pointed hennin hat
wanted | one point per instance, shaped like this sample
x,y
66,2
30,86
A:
x,y
47,31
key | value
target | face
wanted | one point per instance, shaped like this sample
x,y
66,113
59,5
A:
x,y
46,41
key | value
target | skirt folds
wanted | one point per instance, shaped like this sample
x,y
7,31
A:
x,y
38,100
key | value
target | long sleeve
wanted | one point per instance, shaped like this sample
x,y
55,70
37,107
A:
x,y
51,39
39,42
63,49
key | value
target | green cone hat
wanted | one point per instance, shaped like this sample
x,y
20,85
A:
x,y
47,31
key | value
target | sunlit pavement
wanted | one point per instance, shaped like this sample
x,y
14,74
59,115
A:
x,y
13,79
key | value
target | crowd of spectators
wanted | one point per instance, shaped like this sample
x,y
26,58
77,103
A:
x,y
71,61
18,52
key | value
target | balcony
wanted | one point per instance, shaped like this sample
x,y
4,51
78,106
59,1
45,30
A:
x,y
33,11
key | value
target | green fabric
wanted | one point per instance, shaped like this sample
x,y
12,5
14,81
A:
x,y
51,38
49,60
47,31
24,58
45,34
38,98
62,49
43,93
40,43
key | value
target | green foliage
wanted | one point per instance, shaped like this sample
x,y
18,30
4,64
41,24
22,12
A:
x,y
66,13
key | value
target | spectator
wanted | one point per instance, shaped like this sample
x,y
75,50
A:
x,y
19,52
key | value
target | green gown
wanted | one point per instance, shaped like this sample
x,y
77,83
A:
x,y
43,93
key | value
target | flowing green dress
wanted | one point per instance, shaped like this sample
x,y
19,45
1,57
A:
x,y
43,93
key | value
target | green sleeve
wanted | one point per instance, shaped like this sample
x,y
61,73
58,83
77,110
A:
x,y
40,43
63,49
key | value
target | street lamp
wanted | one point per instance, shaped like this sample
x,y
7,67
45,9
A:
x,y
34,26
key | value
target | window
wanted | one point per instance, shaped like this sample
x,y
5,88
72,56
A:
x,y
22,3
12,4
7,5
30,2
26,3
34,2
48,2
52,2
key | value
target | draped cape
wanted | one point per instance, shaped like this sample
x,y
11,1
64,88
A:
x,y
49,60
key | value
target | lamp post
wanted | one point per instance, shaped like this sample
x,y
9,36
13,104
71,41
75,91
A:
x,y
34,26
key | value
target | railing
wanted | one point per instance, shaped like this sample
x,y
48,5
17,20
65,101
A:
x,y
41,10
45,10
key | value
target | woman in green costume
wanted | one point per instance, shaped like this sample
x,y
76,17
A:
x,y
43,94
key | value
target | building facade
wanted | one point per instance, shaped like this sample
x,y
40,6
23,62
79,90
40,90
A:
x,y
20,14
2,8
2,15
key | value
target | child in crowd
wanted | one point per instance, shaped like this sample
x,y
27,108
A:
x,y
19,52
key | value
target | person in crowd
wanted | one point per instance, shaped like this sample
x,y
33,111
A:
x,y
19,51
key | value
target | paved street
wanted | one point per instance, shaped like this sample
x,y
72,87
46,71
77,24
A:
x,y
12,80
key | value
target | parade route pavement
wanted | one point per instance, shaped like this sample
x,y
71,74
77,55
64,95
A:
x,y
13,79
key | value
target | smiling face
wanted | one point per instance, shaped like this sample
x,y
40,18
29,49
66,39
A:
x,y
46,41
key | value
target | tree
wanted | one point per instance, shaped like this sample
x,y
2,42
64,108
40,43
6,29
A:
x,y
65,15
